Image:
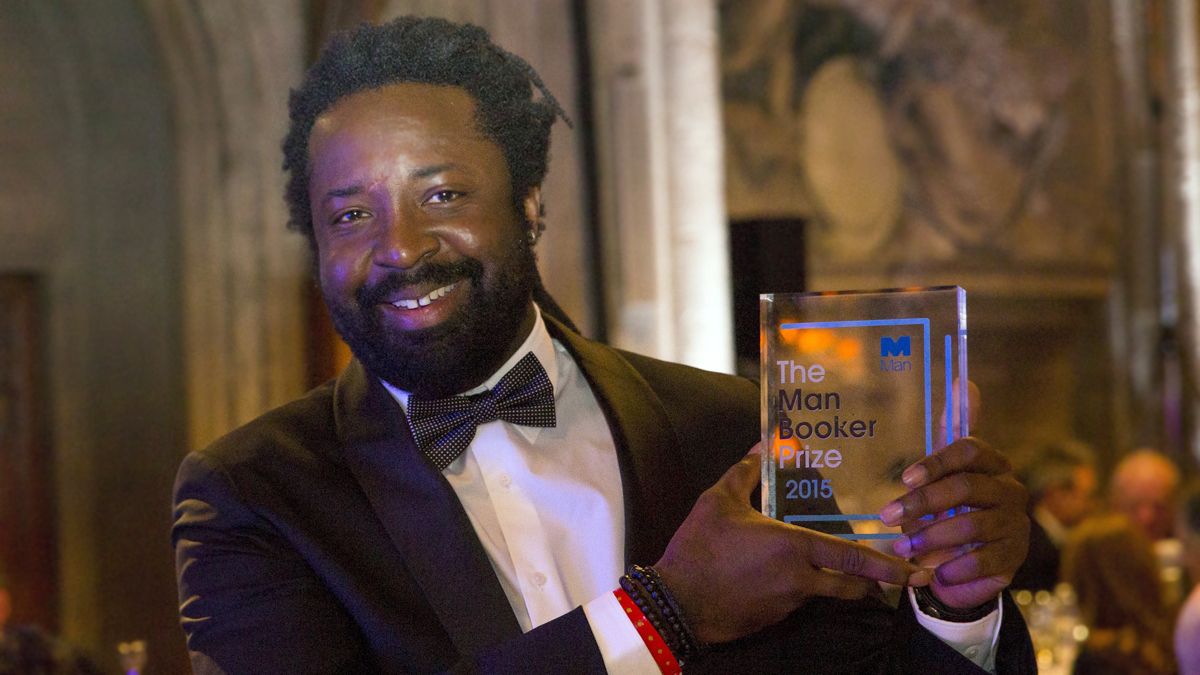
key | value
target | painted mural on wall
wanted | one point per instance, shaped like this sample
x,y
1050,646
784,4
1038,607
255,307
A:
x,y
923,133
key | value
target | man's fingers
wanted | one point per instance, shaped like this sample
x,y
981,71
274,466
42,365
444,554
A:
x,y
848,557
961,489
965,528
741,478
964,455
838,585
973,408
980,563
974,403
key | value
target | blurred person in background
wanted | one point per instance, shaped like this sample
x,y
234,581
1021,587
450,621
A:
x,y
1062,481
1110,562
24,650
1187,628
27,650
1143,487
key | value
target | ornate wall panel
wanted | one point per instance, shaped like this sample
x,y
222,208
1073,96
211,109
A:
x,y
928,140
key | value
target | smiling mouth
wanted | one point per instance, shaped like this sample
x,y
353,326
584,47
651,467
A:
x,y
425,300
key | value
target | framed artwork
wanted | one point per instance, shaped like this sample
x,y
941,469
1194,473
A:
x,y
926,136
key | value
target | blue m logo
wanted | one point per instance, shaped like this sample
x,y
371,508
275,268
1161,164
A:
x,y
901,346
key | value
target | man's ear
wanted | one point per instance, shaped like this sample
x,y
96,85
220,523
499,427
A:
x,y
532,205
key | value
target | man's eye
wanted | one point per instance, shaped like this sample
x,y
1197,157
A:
x,y
444,196
350,216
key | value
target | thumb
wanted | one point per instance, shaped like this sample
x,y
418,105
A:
x,y
741,478
973,406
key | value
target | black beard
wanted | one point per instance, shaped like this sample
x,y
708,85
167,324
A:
x,y
461,352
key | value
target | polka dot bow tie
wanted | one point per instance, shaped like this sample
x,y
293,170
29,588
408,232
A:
x,y
444,427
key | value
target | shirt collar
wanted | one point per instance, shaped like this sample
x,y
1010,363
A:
x,y
538,341
1055,530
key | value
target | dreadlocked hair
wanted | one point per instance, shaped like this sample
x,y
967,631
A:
x,y
428,51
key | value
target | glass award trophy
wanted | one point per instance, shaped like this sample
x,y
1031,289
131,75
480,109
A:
x,y
856,386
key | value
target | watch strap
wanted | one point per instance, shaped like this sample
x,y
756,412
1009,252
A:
x,y
930,605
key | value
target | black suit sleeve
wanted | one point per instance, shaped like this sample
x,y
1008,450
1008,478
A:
x,y
564,645
864,637
246,598
249,603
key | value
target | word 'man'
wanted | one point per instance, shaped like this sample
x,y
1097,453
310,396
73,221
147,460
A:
x,y
813,400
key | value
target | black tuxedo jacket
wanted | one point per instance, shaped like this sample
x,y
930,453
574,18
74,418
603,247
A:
x,y
317,539
1040,571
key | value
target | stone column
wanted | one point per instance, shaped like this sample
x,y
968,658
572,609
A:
x,y
661,198
1182,194
1135,306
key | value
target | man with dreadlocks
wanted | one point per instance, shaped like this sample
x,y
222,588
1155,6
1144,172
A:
x,y
483,489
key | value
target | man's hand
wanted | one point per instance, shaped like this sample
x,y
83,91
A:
x,y
974,552
735,571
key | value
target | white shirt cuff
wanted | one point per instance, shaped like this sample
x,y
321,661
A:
x,y
975,640
620,645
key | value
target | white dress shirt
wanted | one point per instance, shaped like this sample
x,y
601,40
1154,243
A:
x,y
547,505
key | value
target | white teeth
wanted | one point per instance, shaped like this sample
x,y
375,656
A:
x,y
426,299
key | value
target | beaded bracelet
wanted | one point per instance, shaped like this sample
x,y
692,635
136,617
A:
x,y
641,596
671,609
646,588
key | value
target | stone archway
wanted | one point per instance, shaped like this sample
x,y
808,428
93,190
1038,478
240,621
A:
x,y
230,66
89,192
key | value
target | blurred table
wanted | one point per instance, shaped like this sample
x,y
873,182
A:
x,y
1054,625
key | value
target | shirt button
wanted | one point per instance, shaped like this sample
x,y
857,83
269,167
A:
x,y
539,579
505,481
971,652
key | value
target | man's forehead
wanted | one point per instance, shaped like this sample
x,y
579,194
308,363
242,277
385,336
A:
x,y
406,130
425,118
400,101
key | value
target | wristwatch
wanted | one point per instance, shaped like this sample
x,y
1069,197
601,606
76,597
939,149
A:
x,y
929,605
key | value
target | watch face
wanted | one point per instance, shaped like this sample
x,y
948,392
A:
x,y
851,170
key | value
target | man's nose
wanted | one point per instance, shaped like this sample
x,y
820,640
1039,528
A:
x,y
405,240
1147,514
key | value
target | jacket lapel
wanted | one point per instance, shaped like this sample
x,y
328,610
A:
x,y
421,514
657,492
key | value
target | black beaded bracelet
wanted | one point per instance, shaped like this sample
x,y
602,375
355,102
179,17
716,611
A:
x,y
664,619
647,590
641,597
671,609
